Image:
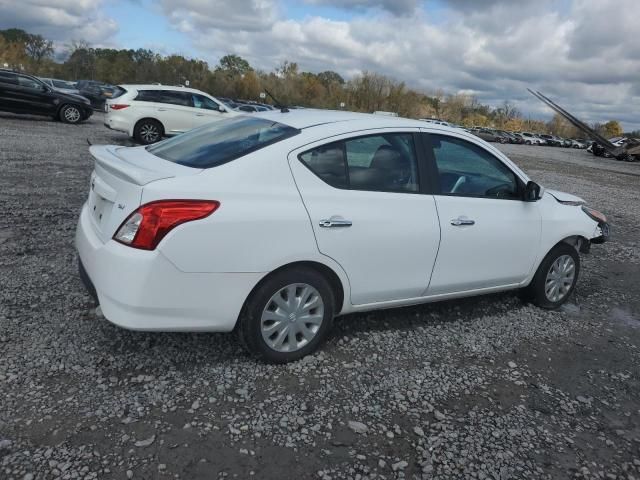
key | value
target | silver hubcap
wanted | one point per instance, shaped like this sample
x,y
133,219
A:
x,y
560,278
71,114
149,133
292,317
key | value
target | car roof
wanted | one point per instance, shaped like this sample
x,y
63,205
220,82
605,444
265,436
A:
x,y
132,86
309,117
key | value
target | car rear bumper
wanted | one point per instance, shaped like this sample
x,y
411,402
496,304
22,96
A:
x,y
142,290
117,123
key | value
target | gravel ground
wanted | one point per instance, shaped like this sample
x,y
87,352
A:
x,y
487,388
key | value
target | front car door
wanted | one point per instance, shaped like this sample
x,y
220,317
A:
x,y
33,96
490,236
205,110
370,212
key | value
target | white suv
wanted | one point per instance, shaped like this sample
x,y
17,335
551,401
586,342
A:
x,y
149,112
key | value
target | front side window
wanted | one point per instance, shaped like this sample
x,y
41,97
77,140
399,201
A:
x,y
200,101
29,83
383,163
465,169
220,142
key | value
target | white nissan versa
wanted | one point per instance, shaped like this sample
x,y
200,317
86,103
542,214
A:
x,y
274,223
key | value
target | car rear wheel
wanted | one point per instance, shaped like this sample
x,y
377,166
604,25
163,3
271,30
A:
x,y
70,114
288,316
148,131
556,277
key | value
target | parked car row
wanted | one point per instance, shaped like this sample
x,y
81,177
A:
x,y
526,138
26,94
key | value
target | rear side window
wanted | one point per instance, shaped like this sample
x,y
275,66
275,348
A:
x,y
221,142
165,96
8,78
381,163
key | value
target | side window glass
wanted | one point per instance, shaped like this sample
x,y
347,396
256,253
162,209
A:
x,y
148,96
200,101
8,78
465,169
29,83
382,163
328,163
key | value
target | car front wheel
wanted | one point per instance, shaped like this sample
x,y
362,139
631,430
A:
x,y
288,316
556,277
70,114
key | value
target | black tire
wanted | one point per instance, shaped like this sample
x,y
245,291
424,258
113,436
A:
x,y
148,131
535,292
70,114
250,322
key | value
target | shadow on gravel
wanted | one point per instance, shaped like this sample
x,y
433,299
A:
x,y
182,350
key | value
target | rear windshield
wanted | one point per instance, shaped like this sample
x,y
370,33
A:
x,y
220,142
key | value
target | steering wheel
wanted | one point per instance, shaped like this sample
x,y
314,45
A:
x,y
500,190
461,181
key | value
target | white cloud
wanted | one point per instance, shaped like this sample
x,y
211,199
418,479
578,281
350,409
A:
x,y
583,53
59,20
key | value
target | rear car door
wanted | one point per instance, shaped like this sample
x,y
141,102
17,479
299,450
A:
x,y
370,212
8,92
205,110
490,236
174,109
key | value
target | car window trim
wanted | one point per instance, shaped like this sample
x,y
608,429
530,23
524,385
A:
x,y
436,173
414,135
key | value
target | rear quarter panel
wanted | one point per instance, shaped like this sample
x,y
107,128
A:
x,y
261,223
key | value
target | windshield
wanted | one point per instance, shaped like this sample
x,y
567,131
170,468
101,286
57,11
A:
x,y
220,142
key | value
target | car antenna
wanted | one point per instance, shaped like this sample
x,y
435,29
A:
x,y
283,108
89,142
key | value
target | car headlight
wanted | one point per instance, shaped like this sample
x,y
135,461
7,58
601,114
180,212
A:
x,y
594,214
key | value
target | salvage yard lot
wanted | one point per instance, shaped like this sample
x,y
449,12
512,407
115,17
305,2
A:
x,y
478,388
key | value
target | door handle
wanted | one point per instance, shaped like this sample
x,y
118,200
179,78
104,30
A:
x,y
334,223
162,109
199,114
462,221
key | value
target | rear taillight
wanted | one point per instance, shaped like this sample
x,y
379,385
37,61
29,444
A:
x,y
149,224
118,106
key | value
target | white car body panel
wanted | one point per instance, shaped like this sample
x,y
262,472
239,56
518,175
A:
x,y
400,250
174,118
392,266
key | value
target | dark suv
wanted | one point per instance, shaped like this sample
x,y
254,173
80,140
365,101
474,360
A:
x,y
21,93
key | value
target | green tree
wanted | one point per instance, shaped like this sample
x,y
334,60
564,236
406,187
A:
x,y
234,65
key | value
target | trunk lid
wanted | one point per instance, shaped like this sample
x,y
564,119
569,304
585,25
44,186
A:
x,y
117,182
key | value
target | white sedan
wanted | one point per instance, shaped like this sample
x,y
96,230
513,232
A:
x,y
273,224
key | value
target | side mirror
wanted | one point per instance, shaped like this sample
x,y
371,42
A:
x,y
221,109
531,192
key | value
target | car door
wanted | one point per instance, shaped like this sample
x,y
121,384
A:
x,y
8,90
490,236
370,213
205,110
32,96
174,109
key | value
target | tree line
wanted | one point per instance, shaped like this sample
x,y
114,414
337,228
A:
x,y
234,77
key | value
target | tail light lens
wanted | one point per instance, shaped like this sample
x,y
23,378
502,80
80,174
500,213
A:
x,y
118,106
149,224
